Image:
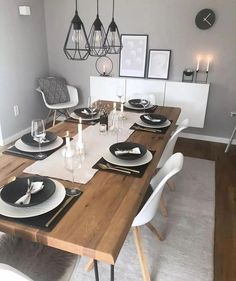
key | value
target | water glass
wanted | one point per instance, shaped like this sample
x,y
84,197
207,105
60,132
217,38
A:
x,y
38,133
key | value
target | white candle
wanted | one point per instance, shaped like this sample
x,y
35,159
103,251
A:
x,y
80,139
114,106
208,63
104,69
122,108
198,62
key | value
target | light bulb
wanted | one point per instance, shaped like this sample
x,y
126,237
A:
x,y
98,37
113,38
77,36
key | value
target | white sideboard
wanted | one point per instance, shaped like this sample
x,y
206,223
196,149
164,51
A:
x,y
190,97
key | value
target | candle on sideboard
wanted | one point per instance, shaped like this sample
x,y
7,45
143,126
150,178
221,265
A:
x,y
208,63
198,63
104,69
80,140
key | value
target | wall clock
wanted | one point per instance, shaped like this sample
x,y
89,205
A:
x,y
205,19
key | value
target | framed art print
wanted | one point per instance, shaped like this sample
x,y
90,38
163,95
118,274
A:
x,y
159,64
133,55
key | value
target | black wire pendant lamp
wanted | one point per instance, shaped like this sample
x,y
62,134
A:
x,y
113,36
97,42
76,46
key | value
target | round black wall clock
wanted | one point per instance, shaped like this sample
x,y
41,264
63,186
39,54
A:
x,y
205,19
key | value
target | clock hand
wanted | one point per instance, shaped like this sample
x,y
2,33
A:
x,y
206,17
208,22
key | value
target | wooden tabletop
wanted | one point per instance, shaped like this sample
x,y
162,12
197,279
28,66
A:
x,y
98,223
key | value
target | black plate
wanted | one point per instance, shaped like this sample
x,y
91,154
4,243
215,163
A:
x,y
127,146
137,103
14,190
79,113
162,119
28,139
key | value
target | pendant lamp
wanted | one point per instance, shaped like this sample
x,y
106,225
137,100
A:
x,y
76,46
97,42
113,36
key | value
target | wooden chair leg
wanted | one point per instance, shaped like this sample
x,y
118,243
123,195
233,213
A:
x,y
49,113
54,117
142,258
171,185
163,208
155,231
89,266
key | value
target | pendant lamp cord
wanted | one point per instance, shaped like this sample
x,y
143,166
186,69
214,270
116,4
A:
x,y
113,9
97,8
76,5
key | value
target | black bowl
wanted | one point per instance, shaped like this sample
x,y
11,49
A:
x,y
28,139
14,190
79,113
161,119
139,103
128,146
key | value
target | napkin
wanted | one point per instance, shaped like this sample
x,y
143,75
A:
x,y
85,111
34,188
151,119
134,150
42,141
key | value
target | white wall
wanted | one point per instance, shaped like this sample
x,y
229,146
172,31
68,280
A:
x,y
23,58
170,25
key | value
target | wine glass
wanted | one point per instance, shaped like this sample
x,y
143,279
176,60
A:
x,y
145,102
92,108
120,94
72,161
38,133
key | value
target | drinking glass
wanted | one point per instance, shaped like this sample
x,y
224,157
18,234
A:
x,y
92,107
38,133
145,102
120,94
72,161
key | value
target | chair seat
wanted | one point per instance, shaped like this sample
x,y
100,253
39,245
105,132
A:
x,y
58,106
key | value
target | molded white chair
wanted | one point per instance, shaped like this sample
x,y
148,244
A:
x,y
61,107
9,273
172,166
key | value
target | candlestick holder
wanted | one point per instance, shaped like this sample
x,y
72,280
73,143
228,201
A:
x,y
104,66
201,76
188,75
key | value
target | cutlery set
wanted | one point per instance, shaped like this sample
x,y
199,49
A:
x,y
136,127
121,169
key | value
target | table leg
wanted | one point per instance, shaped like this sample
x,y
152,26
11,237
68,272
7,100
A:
x,y
96,271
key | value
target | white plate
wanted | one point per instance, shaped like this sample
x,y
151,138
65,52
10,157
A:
x,y
27,148
163,125
74,116
27,212
128,163
137,108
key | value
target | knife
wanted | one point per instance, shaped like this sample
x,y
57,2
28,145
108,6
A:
x,y
59,211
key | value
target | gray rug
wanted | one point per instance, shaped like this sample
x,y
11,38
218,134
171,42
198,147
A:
x,y
187,252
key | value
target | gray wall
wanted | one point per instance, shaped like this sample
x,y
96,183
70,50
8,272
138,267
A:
x,y
170,24
23,58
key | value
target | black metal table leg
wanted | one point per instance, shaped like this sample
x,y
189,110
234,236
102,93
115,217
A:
x,y
112,273
96,270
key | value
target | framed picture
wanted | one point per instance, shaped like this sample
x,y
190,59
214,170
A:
x,y
133,55
159,64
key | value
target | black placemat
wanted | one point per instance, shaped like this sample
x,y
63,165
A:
x,y
41,220
30,155
141,168
86,122
150,110
158,130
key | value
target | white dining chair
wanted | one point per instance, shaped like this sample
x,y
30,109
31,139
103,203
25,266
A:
x,y
172,166
62,108
9,273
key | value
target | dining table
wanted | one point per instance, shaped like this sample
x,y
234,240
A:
x,y
97,224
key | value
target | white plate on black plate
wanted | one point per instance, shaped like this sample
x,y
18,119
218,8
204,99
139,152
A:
x,y
74,116
129,106
128,163
29,140
12,191
85,112
163,125
27,148
153,119
127,146
27,212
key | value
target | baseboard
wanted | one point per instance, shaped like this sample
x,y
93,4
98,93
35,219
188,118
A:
x,y
14,137
206,138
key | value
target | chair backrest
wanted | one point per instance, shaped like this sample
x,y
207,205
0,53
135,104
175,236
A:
x,y
172,166
8,272
168,151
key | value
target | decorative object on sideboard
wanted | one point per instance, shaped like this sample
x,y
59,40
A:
x,y
159,64
133,55
104,66
188,75
205,19
98,44
113,36
76,46
202,75
24,10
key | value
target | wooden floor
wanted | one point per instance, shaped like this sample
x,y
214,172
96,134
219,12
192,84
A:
x,y
225,211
